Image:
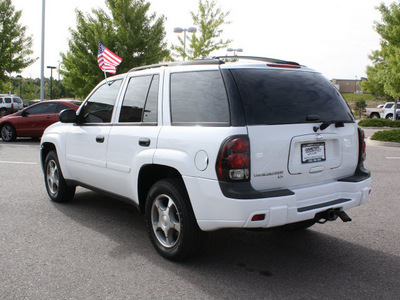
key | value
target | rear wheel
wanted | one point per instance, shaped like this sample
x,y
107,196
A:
x,y
170,221
56,187
374,115
8,133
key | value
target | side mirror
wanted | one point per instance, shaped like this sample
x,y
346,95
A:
x,y
24,113
68,116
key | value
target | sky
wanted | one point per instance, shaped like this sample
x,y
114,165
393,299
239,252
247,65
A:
x,y
332,37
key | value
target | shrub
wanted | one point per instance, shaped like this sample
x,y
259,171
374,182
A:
x,y
387,136
379,123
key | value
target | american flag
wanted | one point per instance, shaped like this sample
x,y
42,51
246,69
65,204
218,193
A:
x,y
107,60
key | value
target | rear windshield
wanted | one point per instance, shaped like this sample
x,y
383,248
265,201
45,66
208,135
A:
x,y
285,97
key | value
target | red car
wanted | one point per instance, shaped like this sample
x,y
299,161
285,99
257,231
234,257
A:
x,y
33,120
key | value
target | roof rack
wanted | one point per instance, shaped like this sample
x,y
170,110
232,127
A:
x,y
206,61
258,58
215,60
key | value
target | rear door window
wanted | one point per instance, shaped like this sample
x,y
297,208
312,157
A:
x,y
140,100
286,97
199,98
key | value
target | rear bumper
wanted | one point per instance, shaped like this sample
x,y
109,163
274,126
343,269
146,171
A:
x,y
214,211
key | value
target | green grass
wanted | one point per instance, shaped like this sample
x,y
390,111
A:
x,y
387,136
355,97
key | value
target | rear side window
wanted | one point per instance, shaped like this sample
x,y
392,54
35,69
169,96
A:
x,y
199,98
7,100
286,97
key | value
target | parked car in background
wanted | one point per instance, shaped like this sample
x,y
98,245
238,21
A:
x,y
387,110
33,120
373,112
9,104
30,102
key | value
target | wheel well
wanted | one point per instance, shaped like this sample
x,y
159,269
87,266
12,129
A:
x,y
45,149
149,175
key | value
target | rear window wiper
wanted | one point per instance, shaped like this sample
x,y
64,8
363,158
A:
x,y
326,124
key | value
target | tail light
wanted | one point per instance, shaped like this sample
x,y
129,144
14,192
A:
x,y
233,162
362,147
12,105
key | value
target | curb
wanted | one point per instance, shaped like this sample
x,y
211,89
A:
x,y
379,143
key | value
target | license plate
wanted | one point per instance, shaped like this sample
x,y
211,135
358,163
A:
x,y
312,152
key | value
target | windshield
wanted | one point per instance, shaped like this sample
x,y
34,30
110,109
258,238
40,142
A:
x,y
286,97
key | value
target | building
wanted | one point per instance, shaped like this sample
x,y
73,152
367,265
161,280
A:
x,y
348,85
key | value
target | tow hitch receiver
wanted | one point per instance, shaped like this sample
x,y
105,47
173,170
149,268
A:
x,y
332,215
343,216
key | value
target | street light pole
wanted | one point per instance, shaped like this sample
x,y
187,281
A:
x,y
51,80
184,30
234,50
42,55
20,85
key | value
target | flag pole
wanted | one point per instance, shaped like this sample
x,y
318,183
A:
x,y
105,76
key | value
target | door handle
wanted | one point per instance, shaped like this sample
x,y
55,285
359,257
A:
x,y
144,142
100,139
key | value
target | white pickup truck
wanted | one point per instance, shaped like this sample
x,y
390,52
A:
x,y
387,110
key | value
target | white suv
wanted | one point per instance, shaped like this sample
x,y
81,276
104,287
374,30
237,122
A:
x,y
10,104
204,145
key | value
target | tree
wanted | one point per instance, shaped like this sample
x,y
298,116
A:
x,y
15,46
360,106
209,20
130,32
384,75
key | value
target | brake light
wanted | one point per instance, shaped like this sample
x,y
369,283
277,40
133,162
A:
x,y
12,105
233,162
362,151
284,66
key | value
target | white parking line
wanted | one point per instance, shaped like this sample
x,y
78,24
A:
x,y
393,157
18,162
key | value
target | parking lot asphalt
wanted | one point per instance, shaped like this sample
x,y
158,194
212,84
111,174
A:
x,y
96,247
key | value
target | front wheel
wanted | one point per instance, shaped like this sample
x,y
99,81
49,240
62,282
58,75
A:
x,y
8,133
170,221
389,116
56,187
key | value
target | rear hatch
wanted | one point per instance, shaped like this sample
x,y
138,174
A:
x,y
301,130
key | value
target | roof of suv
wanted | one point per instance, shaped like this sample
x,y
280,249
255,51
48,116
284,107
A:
x,y
220,60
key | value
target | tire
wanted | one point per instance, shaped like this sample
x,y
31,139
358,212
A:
x,y
8,133
389,116
3,112
170,221
374,116
56,187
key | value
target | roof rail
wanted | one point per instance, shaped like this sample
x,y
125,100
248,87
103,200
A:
x,y
206,61
258,58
